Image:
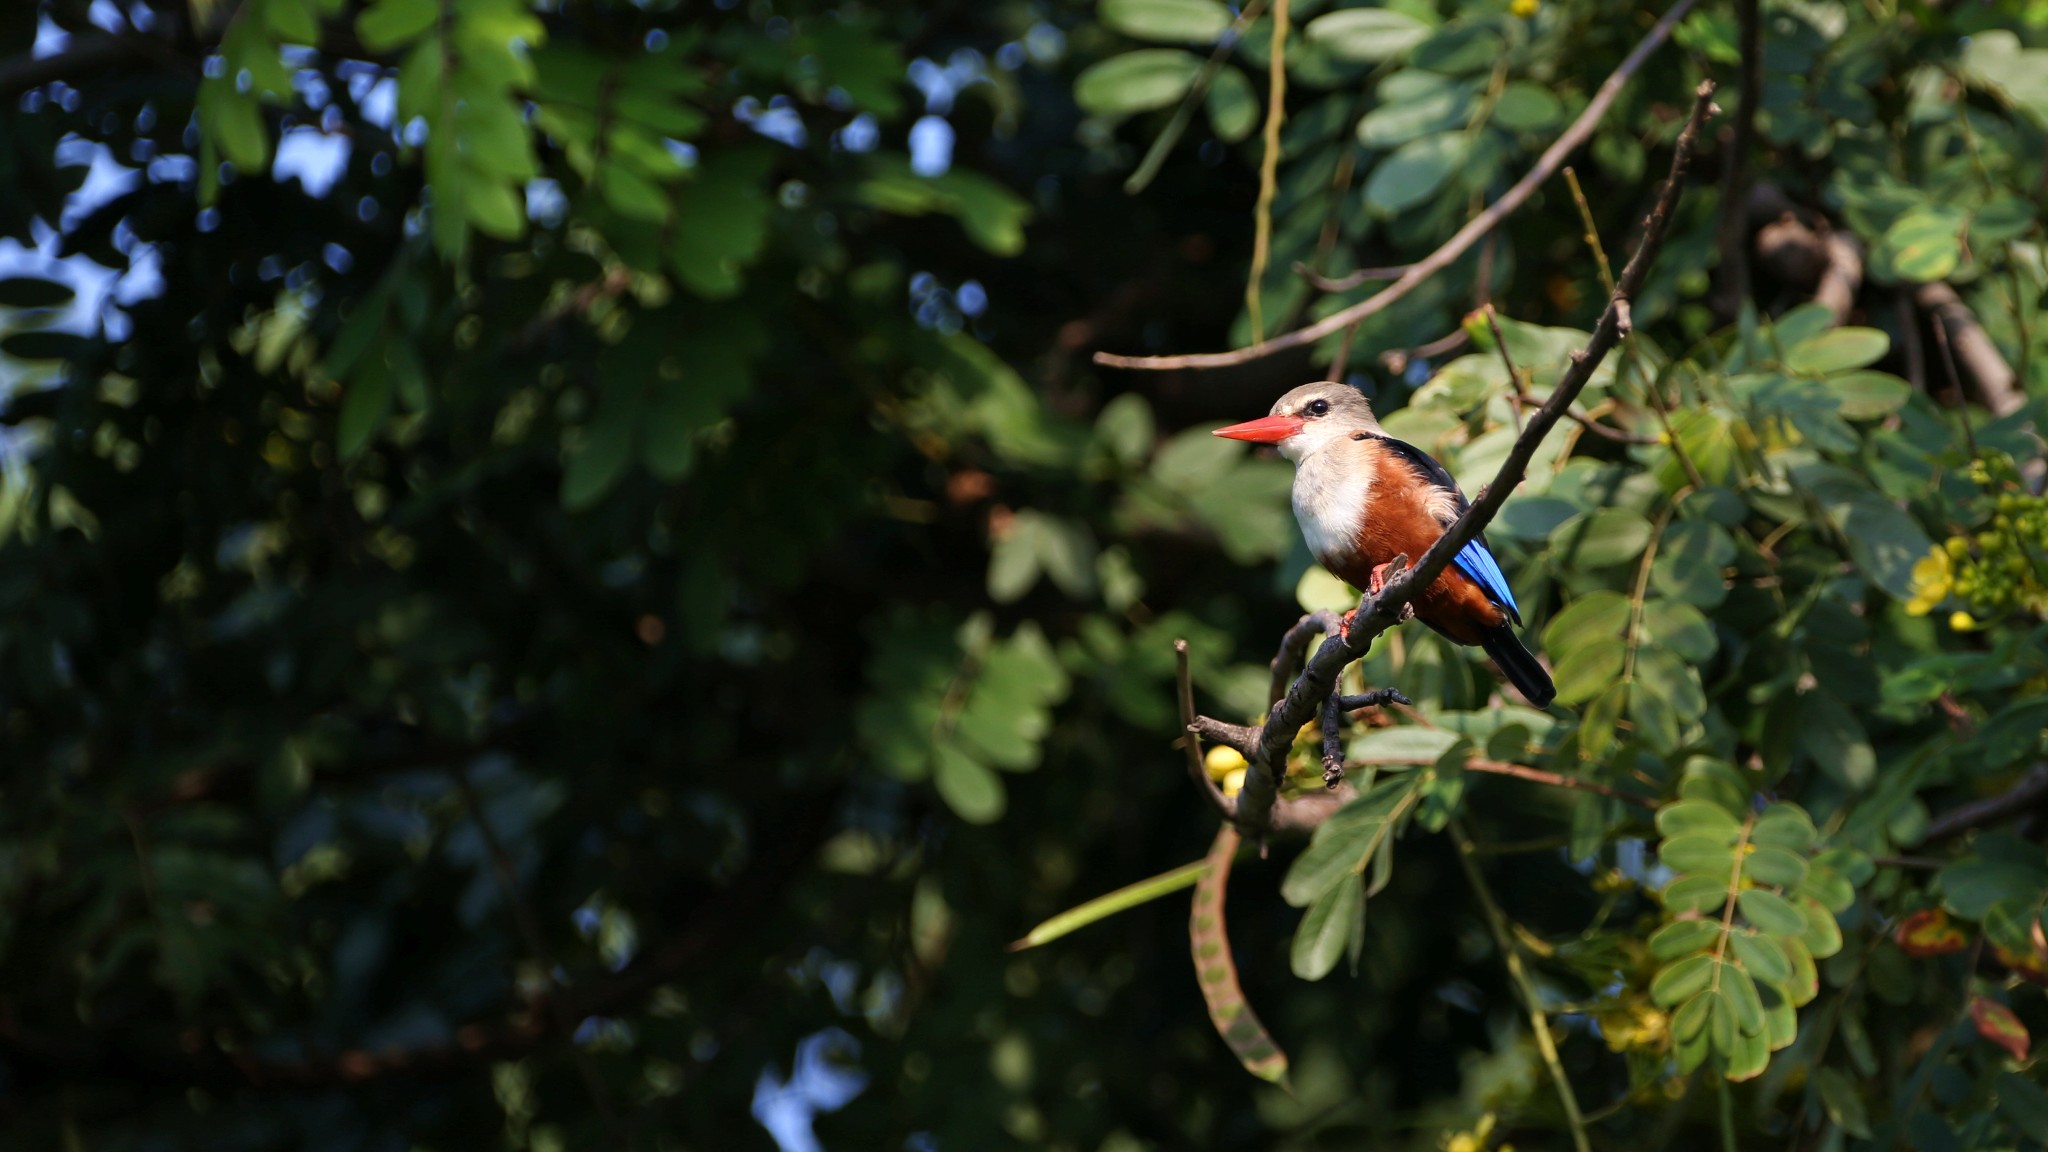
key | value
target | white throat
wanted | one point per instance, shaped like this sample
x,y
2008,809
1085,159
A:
x,y
1331,486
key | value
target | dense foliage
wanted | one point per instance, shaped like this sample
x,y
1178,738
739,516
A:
x,y
566,579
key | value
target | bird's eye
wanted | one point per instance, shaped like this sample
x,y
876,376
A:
x,y
1319,407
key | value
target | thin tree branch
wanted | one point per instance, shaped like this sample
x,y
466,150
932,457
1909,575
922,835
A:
x,y
2031,791
1188,740
1349,280
1376,614
1734,286
1996,383
1470,234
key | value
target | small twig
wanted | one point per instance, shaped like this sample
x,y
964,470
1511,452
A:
x,y
1395,360
1269,170
2029,792
1343,358
1619,435
1955,383
1377,698
1196,771
1349,280
1532,1000
1333,739
1592,233
1517,392
1451,249
1557,780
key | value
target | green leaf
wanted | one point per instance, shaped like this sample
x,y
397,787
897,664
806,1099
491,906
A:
x,y
1695,894
1844,1106
1406,114
1527,107
1770,912
1136,81
1838,350
1402,744
1598,615
1718,782
1761,956
1344,844
1233,105
1111,903
1601,538
1869,395
1699,853
365,403
1922,246
1699,818
1831,734
607,447
1822,937
1326,928
1167,21
1682,980
1680,627
1690,561
390,24
1589,671
1366,35
1416,170
1785,826
968,786
2023,1104
1775,866
1683,937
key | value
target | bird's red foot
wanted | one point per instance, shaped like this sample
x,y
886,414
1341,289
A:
x,y
1378,579
1344,625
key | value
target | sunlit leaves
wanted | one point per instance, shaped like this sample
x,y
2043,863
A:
x,y
1368,35
1747,897
1167,21
1136,81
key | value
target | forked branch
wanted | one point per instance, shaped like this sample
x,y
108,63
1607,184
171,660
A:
x,y
1306,694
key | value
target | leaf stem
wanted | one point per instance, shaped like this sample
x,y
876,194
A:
x,y
1503,938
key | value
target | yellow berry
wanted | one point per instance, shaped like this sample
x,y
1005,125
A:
x,y
1524,8
1233,782
1222,761
1962,622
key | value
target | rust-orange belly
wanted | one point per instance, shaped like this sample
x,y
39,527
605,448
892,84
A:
x,y
1399,524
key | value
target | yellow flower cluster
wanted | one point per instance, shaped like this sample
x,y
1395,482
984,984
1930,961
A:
x,y
1998,569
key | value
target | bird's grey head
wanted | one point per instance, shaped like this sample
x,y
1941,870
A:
x,y
1329,413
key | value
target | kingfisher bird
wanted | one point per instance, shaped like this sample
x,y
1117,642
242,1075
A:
x,y
1363,499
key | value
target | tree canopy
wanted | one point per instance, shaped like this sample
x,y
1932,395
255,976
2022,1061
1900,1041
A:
x,y
588,574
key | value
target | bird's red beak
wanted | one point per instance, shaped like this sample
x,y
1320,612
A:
x,y
1264,430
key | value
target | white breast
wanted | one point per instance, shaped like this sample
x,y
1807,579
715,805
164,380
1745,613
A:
x,y
1330,491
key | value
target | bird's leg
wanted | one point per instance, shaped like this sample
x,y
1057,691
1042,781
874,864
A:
x,y
1378,580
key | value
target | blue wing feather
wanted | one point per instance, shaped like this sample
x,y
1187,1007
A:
x,y
1475,561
